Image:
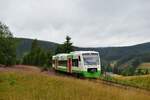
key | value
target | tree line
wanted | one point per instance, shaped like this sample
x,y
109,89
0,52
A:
x,y
43,58
36,56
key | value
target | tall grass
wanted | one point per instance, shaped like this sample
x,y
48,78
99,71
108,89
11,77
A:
x,y
141,81
35,86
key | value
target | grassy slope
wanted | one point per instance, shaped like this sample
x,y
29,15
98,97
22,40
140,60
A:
x,y
23,85
142,81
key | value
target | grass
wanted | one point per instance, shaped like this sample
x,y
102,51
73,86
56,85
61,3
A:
x,y
141,81
20,85
144,65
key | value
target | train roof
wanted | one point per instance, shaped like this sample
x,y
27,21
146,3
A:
x,y
74,52
64,56
80,52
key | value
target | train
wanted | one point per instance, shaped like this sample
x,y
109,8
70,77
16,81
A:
x,y
82,63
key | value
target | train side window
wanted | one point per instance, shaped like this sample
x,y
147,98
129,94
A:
x,y
63,63
75,62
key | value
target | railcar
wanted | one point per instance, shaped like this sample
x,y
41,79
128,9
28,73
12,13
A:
x,y
82,63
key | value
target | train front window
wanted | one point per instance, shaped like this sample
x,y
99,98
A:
x,y
91,59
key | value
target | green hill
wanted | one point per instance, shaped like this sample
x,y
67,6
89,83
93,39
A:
x,y
122,56
24,45
108,53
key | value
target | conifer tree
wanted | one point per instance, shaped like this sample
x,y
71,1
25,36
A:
x,y
66,47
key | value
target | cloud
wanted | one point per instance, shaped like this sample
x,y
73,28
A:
x,y
91,23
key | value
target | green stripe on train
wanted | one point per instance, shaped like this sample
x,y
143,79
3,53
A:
x,y
61,68
81,73
91,74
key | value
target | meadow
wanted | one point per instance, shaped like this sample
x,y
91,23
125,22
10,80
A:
x,y
138,81
29,85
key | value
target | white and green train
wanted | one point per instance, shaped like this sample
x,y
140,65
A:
x,y
82,63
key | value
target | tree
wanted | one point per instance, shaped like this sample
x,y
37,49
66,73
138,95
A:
x,y
59,49
66,47
32,57
129,71
136,62
37,56
34,45
4,31
49,58
7,46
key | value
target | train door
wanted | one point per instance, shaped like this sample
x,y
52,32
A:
x,y
56,63
69,65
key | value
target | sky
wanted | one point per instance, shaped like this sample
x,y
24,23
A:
x,y
90,23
